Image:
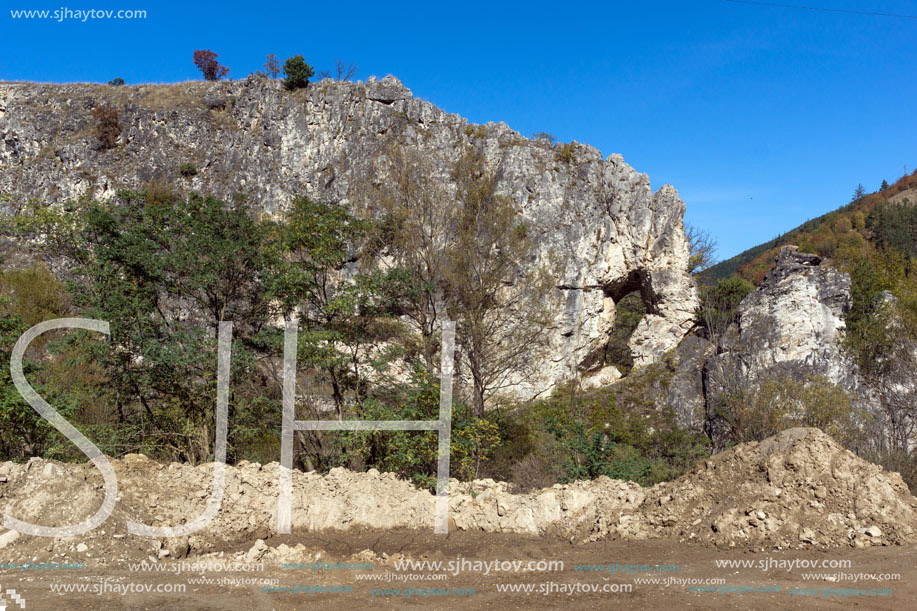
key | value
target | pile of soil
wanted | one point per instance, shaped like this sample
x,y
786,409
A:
x,y
797,489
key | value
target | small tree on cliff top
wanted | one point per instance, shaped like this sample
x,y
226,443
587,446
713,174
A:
x,y
206,62
272,66
297,72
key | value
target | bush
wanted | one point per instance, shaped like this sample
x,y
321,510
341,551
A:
x,y
618,432
719,303
159,191
544,136
781,401
116,82
297,73
107,128
187,169
206,62
565,152
28,296
413,455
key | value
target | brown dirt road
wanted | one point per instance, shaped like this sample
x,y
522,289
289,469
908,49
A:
x,y
694,563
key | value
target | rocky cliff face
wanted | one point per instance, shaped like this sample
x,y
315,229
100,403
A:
x,y
598,221
789,326
792,320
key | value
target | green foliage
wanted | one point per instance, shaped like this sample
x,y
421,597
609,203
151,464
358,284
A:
x,y
618,432
718,303
164,272
29,296
895,226
413,455
32,294
116,82
187,169
566,152
629,311
22,432
783,401
297,73
590,455
883,308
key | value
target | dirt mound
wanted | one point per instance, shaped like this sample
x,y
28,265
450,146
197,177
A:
x,y
797,489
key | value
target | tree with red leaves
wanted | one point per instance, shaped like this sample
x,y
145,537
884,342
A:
x,y
206,62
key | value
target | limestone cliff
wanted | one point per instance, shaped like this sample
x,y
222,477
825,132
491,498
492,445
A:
x,y
794,318
597,220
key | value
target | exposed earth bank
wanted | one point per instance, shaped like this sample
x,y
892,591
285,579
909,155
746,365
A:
x,y
796,490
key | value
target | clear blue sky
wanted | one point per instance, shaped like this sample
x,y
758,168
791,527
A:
x,y
762,117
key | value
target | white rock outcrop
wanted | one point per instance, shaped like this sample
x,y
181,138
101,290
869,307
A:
x,y
598,221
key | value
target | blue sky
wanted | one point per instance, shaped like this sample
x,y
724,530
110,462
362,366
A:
x,y
762,117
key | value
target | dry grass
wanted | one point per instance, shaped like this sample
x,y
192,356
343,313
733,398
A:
x,y
222,119
174,96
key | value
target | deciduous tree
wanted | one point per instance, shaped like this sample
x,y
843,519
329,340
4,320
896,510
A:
x,y
206,62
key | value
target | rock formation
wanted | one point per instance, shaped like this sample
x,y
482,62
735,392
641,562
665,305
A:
x,y
792,322
598,221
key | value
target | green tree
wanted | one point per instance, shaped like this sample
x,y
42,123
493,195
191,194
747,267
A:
x,y
340,313
164,273
297,73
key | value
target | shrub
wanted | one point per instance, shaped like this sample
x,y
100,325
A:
x,y
781,401
719,303
107,128
618,432
187,169
475,131
159,191
27,296
206,62
544,136
414,455
297,73
116,82
566,151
